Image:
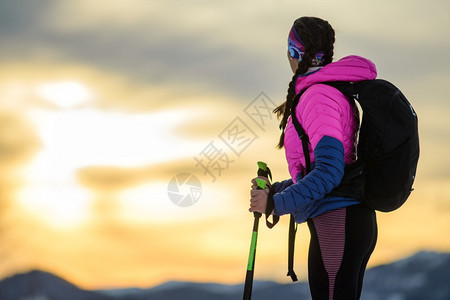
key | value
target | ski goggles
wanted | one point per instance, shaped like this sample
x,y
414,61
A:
x,y
295,45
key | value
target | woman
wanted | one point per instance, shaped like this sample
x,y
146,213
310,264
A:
x,y
343,231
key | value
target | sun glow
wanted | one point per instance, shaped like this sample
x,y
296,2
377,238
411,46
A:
x,y
63,206
65,94
74,139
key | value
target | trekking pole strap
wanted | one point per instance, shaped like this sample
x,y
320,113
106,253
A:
x,y
269,210
264,171
292,232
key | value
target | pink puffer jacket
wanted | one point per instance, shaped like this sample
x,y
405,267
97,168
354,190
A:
x,y
324,111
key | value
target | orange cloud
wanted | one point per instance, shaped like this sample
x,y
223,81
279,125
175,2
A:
x,y
18,143
18,140
104,178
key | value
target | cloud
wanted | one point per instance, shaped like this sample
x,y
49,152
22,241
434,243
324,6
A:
x,y
400,60
229,48
107,178
18,141
23,17
110,177
151,51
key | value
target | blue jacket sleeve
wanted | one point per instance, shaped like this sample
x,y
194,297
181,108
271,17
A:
x,y
302,197
282,185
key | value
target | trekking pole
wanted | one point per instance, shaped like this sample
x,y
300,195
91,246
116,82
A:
x,y
263,171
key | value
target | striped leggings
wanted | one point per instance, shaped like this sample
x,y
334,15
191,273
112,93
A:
x,y
341,244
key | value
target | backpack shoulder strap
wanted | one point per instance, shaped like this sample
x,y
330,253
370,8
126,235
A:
x,y
292,225
347,88
301,134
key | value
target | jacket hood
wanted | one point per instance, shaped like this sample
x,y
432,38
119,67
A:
x,y
351,68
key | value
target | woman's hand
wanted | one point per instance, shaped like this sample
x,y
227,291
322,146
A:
x,y
258,201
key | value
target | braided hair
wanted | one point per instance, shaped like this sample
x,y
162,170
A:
x,y
317,35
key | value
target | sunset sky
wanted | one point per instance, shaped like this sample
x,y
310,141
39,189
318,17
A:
x,y
104,103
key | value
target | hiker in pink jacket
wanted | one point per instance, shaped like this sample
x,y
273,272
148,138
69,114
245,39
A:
x,y
343,231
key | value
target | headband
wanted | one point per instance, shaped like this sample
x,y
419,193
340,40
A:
x,y
297,49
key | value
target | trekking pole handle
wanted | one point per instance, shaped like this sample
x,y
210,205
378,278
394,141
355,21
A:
x,y
263,171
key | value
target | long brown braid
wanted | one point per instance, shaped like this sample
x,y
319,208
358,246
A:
x,y
317,35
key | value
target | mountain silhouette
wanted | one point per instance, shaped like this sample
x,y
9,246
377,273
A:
x,y
425,275
39,285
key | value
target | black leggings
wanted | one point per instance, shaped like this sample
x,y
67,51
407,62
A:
x,y
341,244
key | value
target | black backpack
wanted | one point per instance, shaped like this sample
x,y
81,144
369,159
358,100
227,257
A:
x,y
387,151
388,145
